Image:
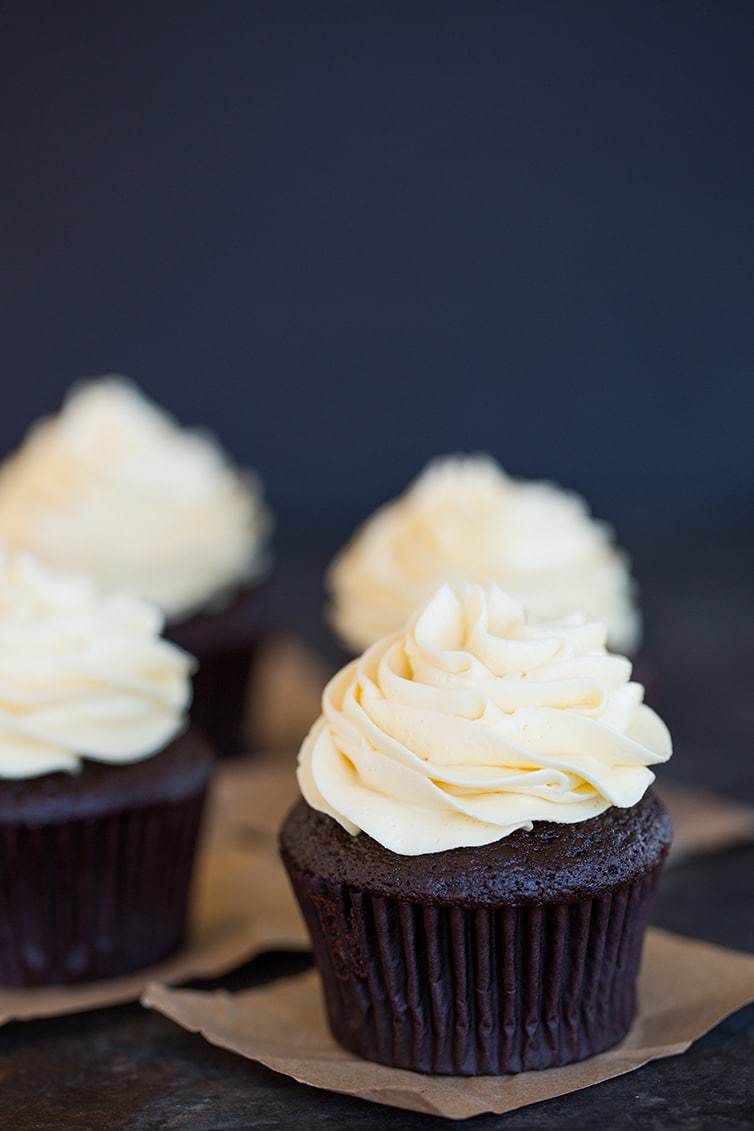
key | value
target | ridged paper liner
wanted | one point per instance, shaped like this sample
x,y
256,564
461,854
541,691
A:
x,y
476,991
225,642
92,899
221,697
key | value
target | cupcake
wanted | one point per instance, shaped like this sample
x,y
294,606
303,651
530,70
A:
x,y
101,785
114,489
478,845
465,519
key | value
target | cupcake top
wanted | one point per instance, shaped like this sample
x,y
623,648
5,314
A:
x,y
114,489
465,519
476,720
82,675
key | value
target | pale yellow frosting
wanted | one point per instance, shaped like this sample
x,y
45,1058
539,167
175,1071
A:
x,y
82,675
113,488
474,721
465,519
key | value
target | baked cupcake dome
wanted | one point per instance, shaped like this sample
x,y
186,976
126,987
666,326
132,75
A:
x,y
101,787
463,518
114,489
477,850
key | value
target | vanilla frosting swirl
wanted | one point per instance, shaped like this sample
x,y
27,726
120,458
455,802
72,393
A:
x,y
465,519
113,488
82,675
474,721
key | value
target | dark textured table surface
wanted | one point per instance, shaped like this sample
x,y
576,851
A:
x,y
128,1068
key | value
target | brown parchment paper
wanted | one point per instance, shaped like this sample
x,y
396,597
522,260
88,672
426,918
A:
x,y
239,908
705,822
686,987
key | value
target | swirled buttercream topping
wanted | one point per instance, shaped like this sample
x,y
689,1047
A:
x,y
114,489
82,675
475,721
465,519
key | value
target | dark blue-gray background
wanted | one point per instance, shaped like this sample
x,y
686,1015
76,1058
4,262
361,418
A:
x,y
350,235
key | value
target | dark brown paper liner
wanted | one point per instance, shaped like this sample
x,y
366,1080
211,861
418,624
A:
x,y
95,898
226,644
220,701
477,991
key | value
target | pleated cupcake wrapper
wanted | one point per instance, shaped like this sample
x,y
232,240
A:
x,y
220,705
226,642
470,991
92,899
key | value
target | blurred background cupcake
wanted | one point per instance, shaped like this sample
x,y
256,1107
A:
x,y
114,489
464,518
101,784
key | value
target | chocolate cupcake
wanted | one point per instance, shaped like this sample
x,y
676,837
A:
x,y
101,787
464,519
478,847
114,489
